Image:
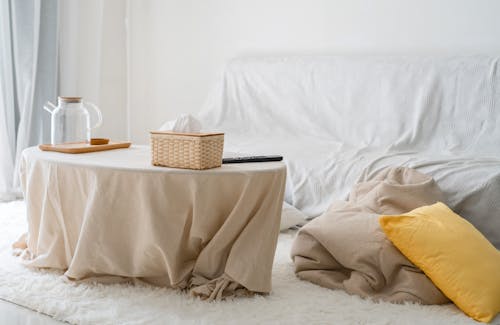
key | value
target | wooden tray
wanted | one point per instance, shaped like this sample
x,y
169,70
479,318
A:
x,y
82,147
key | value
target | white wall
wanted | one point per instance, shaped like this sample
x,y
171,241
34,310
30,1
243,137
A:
x,y
176,47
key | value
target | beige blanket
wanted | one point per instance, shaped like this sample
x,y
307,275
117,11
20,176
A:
x,y
346,249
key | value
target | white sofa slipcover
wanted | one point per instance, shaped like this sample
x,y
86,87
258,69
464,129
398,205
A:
x,y
338,120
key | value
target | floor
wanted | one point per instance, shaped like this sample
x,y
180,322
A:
x,y
13,314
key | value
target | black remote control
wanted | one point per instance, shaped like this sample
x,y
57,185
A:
x,y
236,160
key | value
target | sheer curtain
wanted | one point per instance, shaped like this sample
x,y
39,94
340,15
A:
x,y
93,59
28,69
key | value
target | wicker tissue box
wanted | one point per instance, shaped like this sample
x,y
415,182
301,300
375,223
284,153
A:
x,y
187,150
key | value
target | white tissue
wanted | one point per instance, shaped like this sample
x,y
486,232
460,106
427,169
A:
x,y
185,123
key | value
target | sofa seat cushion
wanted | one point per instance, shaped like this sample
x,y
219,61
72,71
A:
x,y
320,171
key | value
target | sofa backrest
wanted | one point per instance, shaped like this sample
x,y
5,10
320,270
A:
x,y
390,103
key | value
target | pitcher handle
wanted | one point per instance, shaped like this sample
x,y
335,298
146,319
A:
x,y
47,107
98,111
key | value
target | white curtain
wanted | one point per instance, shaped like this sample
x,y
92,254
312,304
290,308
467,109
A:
x,y
28,69
7,116
93,59
58,47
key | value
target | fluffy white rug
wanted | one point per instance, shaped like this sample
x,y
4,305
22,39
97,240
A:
x,y
291,302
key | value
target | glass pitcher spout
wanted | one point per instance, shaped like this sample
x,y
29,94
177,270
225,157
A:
x,y
49,107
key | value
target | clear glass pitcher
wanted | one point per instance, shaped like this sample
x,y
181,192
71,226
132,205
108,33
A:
x,y
70,121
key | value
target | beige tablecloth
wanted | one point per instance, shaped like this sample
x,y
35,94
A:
x,y
112,213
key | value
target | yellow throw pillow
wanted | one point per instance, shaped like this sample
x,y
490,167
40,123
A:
x,y
453,254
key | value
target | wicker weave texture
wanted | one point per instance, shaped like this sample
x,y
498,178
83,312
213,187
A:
x,y
190,152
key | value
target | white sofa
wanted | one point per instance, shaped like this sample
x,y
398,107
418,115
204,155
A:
x,y
337,120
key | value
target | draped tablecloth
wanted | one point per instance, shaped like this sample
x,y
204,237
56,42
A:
x,y
112,213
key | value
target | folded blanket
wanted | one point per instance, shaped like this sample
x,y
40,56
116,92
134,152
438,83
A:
x,y
345,248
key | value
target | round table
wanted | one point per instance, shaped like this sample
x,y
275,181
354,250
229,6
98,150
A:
x,y
112,213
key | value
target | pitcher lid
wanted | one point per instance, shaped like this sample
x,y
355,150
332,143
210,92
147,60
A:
x,y
70,99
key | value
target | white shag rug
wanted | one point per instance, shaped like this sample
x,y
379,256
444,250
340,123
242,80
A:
x,y
292,301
